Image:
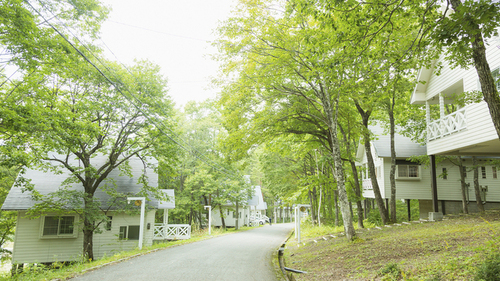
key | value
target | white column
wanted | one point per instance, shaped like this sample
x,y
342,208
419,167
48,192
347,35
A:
x,y
427,113
441,106
141,221
165,217
209,219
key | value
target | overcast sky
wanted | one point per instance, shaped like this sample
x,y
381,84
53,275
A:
x,y
172,34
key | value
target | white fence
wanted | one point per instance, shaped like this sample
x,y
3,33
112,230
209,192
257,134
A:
x,y
451,123
171,231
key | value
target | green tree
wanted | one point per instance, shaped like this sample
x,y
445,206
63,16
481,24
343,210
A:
x,y
283,59
63,114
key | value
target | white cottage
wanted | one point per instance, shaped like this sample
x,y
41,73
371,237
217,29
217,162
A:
x,y
413,181
468,131
52,238
254,207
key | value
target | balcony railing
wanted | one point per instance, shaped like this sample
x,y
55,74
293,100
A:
x,y
450,124
171,231
367,184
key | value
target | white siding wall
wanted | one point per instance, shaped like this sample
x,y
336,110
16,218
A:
x,y
29,248
408,189
479,125
450,76
450,188
228,218
479,129
107,242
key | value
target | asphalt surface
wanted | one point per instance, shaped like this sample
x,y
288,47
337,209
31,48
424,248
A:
x,y
241,256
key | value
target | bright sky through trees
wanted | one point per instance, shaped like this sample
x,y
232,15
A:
x,y
174,34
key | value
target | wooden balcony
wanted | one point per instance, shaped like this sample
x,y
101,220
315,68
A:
x,y
468,131
171,231
451,123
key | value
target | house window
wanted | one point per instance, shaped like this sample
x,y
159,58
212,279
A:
x,y
496,76
494,171
130,232
108,223
465,171
445,174
483,172
58,226
408,172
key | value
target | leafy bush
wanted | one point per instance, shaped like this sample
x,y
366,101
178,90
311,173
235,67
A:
x,y
390,270
489,270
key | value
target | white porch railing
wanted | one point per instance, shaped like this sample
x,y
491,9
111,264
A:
x,y
367,184
171,231
451,123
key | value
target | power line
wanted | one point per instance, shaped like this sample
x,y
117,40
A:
x,y
116,87
161,32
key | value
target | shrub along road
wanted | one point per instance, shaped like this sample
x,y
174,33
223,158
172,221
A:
x,y
240,256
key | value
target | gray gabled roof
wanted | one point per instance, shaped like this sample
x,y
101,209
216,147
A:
x,y
404,146
257,199
46,182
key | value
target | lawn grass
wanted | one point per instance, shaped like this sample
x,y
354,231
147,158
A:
x,y
452,249
37,272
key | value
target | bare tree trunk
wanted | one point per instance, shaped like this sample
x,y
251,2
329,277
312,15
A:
x,y
88,232
463,185
392,173
222,217
357,191
339,168
477,190
365,115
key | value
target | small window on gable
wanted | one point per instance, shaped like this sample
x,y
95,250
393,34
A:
x,y
445,174
109,223
494,172
483,172
58,227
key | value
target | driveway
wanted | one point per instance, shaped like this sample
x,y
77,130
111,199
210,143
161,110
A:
x,y
240,256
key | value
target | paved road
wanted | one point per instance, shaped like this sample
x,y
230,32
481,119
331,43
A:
x,y
241,256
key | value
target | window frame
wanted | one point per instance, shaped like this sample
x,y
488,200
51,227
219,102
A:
x,y
124,232
419,172
74,234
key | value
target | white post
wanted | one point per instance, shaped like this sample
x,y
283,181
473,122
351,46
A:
x,y
299,212
295,215
298,225
441,106
141,222
165,217
209,219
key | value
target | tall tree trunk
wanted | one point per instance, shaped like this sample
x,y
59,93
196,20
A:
x,y
88,233
392,173
339,168
222,217
477,189
463,185
357,191
365,115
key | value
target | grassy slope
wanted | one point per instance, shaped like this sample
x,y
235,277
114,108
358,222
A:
x,y
446,250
